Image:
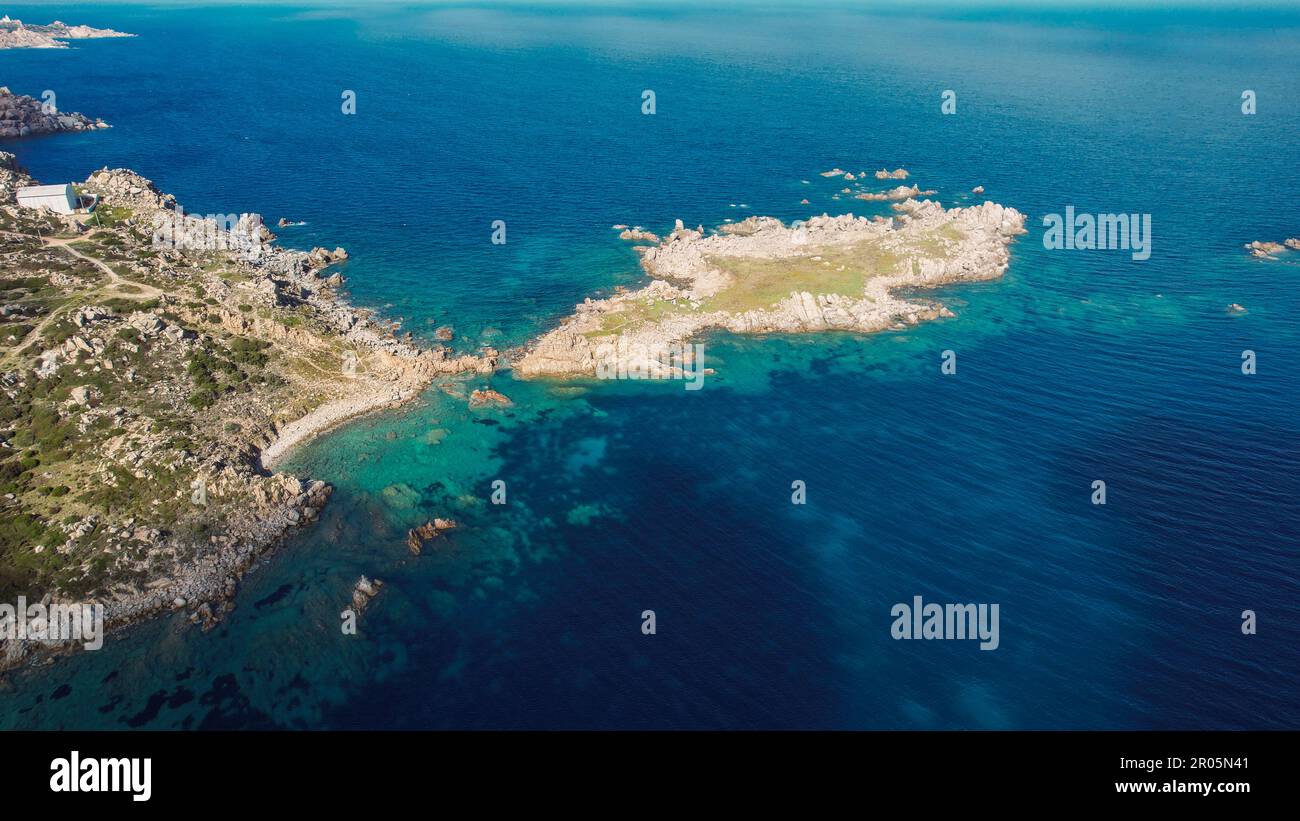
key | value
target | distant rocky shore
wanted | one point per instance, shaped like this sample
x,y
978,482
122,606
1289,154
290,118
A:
x,y
763,276
16,34
23,116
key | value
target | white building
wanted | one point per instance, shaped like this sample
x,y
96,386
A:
x,y
61,199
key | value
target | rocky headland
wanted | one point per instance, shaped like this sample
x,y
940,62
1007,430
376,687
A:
x,y
23,116
763,276
153,365
16,34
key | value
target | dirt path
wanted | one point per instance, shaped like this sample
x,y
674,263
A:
x,y
117,286
116,279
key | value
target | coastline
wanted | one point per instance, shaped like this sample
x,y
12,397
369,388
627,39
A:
x,y
282,302
327,417
269,357
763,276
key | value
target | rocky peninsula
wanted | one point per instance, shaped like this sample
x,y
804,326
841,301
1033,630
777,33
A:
x,y
23,116
763,276
16,34
152,363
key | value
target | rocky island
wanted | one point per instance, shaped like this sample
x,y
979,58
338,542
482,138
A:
x,y
152,364
763,276
23,116
1270,250
16,34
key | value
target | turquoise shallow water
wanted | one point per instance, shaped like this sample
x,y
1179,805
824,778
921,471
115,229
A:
x,y
626,497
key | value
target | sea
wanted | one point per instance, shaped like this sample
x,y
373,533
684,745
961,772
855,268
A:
x,y
621,497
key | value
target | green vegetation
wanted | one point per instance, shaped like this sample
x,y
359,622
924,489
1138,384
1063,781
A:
x,y
203,367
119,425
122,305
761,283
249,351
213,374
110,216
638,312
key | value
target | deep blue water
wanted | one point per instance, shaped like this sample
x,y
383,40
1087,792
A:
x,y
974,487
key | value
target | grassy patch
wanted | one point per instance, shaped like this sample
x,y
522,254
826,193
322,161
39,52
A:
x,y
761,283
111,215
638,312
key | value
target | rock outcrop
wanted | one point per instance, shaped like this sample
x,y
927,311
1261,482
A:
x,y
695,285
638,234
901,192
23,116
487,398
12,177
417,537
1270,250
363,591
16,34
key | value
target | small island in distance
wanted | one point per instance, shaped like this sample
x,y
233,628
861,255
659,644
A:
x,y
763,276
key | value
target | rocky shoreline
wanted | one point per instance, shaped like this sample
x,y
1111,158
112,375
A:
x,y
23,116
152,353
762,276
16,34
165,362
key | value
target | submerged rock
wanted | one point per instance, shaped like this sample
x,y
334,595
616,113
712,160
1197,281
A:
x,y
363,591
486,397
417,537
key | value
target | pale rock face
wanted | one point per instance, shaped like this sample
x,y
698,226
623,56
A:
x,y
901,192
123,187
1269,250
12,176
14,34
1264,250
638,234
147,323
683,276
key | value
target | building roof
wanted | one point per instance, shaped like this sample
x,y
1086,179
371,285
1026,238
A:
x,y
44,190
